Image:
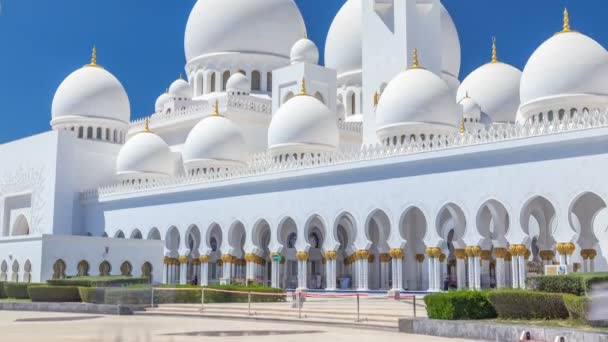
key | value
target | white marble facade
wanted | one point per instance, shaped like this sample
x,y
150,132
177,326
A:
x,y
377,171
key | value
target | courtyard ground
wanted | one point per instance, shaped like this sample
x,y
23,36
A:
x,y
53,327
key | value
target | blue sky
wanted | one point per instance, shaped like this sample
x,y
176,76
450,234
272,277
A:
x,y
141,42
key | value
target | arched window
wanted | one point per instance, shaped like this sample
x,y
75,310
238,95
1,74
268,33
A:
x,y
80,132
107,134
269,82
225,78
99,132
105,269
59,269
146,270
256,82
90,133
561,114
126,269
212,86
27,272
353,104
213,244
83,268
115,137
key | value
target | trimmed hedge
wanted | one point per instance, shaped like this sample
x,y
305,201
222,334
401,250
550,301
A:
x,y
2,292
578,284
458,305
521,304
188,295
61,294
18,290
93,295
578,307
112,281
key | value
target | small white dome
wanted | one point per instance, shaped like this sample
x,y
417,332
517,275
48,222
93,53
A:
x,y
215,139
238,83
303,124
252,26
161,101
416,97
180,89
145,153
495,87
92,91
470,109
569,63
304,51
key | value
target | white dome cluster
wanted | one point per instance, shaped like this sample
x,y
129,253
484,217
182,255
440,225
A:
x,y
301,126
495,87
238,84
304,51
565,73
93,92
250,26
180,90
215,143
416,103
145,157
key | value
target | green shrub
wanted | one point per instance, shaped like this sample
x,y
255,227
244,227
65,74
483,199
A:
x,y
521,304
93,295
112,281
18,290
577,306
457,305
578,284
46,293
2,292
188,294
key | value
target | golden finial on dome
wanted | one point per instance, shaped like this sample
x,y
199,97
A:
x,y
303,88
147,125
494,51
463,130
94,58
216,108
566,27
376,99
167,91
415,62
180,76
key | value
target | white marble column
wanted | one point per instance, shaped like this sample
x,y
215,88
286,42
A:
x,y
508,269
166,275
330,270
363,263
522,271
461,272
500,267
183,269
431,269
302,258
592,256
227,267
204,270
385,265
396,255
419,275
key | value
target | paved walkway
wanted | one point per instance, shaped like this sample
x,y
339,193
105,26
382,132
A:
x,y
51,327
377,311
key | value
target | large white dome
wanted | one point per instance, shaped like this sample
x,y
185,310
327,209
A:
x,y
343,48
303,124
495,87
91,91
416,97
215,139
258,26
569,63
145,154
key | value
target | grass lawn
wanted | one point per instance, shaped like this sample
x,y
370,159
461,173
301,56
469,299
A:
x,y
13,300
557,323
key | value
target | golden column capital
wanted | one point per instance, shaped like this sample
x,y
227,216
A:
x,y
331,255
500,252
486,255
442,257
204,259
420,258
565,248
508,257
183,259
396,253
460,253
227,258
302,256
385,257
362,254
250,257
546,255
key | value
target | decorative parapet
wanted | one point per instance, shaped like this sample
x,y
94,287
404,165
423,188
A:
x,y
356,127
227,103
265,164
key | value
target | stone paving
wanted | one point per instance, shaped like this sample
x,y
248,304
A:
x,y
54,327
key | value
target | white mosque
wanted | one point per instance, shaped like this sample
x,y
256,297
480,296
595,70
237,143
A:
x,y
378,171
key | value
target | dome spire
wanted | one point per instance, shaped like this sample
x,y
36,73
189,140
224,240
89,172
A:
x,y
94,58
494,51
147,125
463,129
415,61
566,27
216,108
303,88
